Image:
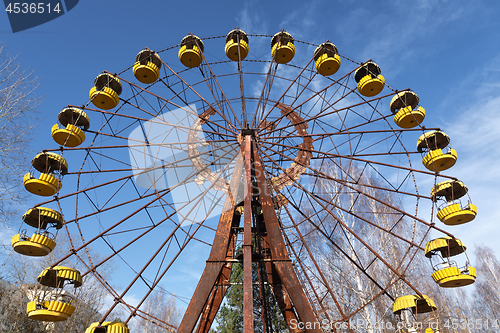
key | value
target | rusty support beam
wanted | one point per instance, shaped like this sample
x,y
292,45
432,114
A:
x,y
217,258
213,304
247,241
263,299
281,296
280,258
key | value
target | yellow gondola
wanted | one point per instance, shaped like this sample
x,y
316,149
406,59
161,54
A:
x,y
370,81
50,310
405,306
407,113
190,52
453,212
446,273
236,45
107,327
47,164
40,244
327,59
282,47
105,92
54,305
147,66
75,122
58,276
414,303
456,214
432,143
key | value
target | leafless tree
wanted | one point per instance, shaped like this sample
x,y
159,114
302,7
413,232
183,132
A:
x,y
13,317
162,306
18,103
485,300
347,262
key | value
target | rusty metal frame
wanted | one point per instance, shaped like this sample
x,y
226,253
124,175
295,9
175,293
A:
x,y
266,242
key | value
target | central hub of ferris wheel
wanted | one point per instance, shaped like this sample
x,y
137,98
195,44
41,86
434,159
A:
x,y
247,132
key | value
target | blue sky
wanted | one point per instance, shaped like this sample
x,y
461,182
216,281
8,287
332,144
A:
x,y
448,52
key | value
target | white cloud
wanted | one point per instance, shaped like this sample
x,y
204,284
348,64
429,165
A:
x,y
250,20
132,299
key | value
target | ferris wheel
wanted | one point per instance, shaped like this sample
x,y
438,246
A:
x,y
293,160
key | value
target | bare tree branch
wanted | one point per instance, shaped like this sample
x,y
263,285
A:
x,y
18,111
